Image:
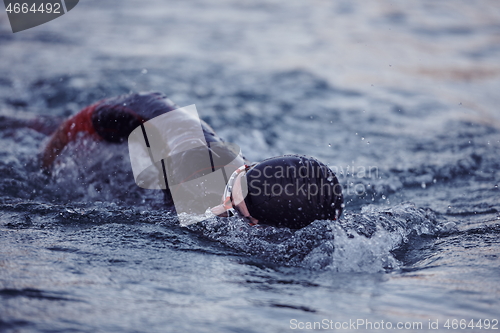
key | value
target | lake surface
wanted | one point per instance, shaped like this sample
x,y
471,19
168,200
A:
x,y
400,98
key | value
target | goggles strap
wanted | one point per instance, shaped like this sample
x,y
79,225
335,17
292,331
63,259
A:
x,y
228,191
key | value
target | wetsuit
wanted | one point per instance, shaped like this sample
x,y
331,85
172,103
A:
x,y
112,120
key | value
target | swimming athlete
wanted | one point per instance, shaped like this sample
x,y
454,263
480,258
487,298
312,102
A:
x,y
285,191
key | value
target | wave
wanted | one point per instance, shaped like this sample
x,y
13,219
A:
x,y
358,242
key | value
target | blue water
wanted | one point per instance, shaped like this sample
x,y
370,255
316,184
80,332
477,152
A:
x,y
400,98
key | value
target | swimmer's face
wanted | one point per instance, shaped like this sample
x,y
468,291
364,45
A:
x,y
237,202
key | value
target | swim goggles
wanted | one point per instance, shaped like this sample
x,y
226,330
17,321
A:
x,y
228,193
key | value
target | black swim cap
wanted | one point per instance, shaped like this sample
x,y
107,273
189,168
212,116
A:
x,y
293,191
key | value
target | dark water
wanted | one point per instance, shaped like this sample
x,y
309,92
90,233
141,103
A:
x,y
400,98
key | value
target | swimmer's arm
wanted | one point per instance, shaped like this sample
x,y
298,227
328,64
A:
x,y
112,120
66,132
106,120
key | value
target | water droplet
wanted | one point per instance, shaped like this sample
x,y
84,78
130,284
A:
x,y
329,145
300,208
434,180
496,186
330,178
362,138
423,185
368,142
384,197
356,133
124,104
144,71
449,206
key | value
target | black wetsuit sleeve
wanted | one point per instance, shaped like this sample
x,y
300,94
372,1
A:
x,y
115,118
114,124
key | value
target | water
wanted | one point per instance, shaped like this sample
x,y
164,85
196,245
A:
x,y
400,98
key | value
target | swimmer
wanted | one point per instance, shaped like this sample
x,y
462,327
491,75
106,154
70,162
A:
x,y
285,191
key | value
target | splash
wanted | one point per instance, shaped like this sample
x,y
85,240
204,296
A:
x,y
361,242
